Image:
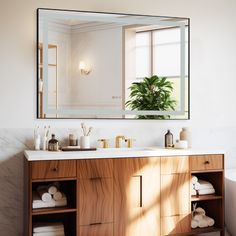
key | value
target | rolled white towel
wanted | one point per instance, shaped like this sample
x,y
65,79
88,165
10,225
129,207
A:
x,y
48,227
52,189
194,179
206,191
204,184
197,186
200,210
209,220
193,192
198,217
202,223
194,224
62,202
57,196
44,195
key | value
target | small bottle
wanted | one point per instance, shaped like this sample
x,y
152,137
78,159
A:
x,y
185,134
53,144
168,139
37,142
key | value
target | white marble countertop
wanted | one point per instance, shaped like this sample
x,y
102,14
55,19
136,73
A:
x,y
116,153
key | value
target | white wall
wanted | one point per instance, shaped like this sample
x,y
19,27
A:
x,y
106,68
213,69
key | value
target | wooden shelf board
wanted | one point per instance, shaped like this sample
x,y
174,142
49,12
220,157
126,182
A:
x,y
52,180
205,230
205,171
205,197
52,210
198,231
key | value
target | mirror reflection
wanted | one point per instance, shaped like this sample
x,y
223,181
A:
x,y
100,65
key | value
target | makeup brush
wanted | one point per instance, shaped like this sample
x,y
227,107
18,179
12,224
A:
x,y
90,129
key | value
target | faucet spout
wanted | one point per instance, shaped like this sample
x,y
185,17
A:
x,y
118,140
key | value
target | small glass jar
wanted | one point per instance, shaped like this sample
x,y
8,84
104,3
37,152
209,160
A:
x,y
53,144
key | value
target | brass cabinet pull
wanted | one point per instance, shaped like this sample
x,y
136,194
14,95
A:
x,y
99,223
95,178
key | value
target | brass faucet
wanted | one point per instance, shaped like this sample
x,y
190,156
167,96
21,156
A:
x,y
129,142
105,142
118,140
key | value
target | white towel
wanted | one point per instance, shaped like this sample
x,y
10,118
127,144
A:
x,y
193,192
41,204
52,189
55,233
204,184
194,224
194,179
48,227
44,195
209,220
57,196
200,211
197,186
61,202
206,191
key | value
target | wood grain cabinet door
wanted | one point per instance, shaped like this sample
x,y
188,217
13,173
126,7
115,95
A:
x,y
95,201
137,197
175,195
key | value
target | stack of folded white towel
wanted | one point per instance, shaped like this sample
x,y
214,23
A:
x,y
48,229
201,187
49,196
199,218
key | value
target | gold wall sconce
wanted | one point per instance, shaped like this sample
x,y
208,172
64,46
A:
x,y
84,69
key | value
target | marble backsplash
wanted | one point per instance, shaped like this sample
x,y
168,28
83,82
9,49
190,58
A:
x,y
13,142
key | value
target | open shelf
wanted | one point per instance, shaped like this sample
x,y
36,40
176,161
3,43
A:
x,y
205,197
205,230
52,210
68,219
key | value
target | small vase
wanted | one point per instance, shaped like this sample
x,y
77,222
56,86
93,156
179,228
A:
x,y
185,134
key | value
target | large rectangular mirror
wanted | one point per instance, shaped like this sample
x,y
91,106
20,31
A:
x,y
106,65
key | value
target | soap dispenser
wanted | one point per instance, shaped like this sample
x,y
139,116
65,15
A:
x,y
168,139
53,144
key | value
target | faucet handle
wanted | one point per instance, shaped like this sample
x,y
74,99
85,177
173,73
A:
x,y
129,142
105,142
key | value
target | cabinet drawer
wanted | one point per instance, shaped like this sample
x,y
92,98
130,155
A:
x,y
105,229
174,164
207,162
53,169
175,225
102,168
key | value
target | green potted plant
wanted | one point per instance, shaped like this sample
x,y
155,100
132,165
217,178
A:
x,y
153,93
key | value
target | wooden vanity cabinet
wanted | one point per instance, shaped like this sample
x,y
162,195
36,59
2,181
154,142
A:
x,y
137,196
128,196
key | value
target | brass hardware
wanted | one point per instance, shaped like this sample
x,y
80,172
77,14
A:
x,y
207,162
95,178
99,223
118,140
129,142
105,143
